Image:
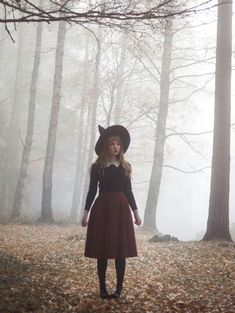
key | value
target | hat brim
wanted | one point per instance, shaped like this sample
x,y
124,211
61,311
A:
x,y
119,130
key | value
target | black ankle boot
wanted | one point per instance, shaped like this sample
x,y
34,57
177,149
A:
x,y
116,294
104,294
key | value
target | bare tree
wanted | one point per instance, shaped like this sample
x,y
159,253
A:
x,y
12,146
115,76
120,81
30,129
218,219
180,80
81,128
114,79
95,93
156,172
46,210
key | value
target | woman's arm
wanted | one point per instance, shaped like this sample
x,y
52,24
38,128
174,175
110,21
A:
x,y
94,178
129,194
131,200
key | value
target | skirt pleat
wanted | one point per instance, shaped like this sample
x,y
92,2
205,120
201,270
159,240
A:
x,y
110,229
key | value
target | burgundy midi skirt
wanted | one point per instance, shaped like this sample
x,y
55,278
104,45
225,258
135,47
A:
x,y
110,229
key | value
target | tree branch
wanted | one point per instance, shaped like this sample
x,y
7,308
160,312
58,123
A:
x,y
187,172
108,12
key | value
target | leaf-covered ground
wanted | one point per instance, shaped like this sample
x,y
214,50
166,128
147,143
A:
x,y
43,270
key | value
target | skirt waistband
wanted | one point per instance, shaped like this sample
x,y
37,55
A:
x,y
111,192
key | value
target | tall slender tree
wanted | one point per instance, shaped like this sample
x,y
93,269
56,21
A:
x,y
80,152
82,135
120,81
10,160
95,93
46,209
30,124
78,176
218,218
156,172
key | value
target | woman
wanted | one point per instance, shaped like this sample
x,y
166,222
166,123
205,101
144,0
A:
x,y
110,231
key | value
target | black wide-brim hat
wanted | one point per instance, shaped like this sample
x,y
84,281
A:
x,y
115,130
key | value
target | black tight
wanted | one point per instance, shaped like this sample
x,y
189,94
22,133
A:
x,y
101,269
120,265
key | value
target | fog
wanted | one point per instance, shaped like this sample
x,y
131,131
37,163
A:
x,y
123,81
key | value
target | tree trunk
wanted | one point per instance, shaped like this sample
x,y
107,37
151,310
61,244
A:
x,y
80,153
218,218
12,149
78,177
119,96
111,105
31,116
156,173
46,210
93,126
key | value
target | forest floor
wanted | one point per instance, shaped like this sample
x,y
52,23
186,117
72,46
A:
x,y
44,270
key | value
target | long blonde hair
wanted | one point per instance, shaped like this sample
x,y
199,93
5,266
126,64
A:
x,y
102,159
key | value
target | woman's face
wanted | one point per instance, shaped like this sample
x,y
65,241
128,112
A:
x,y
114,147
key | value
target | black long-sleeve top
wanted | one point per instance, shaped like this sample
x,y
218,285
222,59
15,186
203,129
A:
x,y
111,178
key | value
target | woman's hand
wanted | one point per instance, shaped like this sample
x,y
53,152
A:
x,y
84,219
137,217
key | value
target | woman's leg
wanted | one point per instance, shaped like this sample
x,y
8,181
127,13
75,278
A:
x,y
120,265
101,269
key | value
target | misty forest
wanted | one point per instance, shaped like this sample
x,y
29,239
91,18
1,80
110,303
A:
x,y
164,70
